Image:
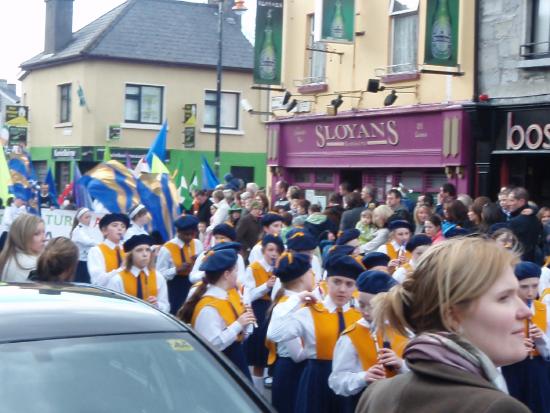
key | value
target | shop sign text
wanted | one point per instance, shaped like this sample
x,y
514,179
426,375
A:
x,y
352,134
533,137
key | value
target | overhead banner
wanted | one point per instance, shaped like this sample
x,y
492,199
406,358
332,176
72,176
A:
x,y
338,21
268,46
442,32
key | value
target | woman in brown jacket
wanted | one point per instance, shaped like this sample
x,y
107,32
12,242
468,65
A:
x,y
462,303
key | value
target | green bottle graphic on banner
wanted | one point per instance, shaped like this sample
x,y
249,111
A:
x,y
267,59
337,25
441,36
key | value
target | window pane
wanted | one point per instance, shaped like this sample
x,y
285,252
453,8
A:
x,y
65,103
151,104
229,112
405,43
210,96
131,110
302,175
323,177
132,90
403,6
541,29
210,116
317,59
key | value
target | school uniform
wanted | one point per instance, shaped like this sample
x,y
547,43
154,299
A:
x,y
257,294
318,326
529,380
84,239
317,273
172,255
197,275
354,354
215,318
403,271
104,260
256,253
135,229
142,283
391,248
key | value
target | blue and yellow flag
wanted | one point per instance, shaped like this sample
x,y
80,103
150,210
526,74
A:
x,y
23,176
112,184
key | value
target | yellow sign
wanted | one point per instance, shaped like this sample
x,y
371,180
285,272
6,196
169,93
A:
x,y
179,344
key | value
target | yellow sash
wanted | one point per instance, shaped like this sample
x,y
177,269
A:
x,y
229,309
394,254
538,319
148,283
110,257
176,254
260,276
272,346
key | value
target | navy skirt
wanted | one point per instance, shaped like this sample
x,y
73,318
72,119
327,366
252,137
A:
x,y
286,376
529,382
82,275
314,395
256,351
235,353
178,288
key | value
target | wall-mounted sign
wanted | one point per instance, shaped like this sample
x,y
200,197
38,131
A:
x,y
17,135
533,136
442,22
269,42
69,153
189,121
17,115
113,132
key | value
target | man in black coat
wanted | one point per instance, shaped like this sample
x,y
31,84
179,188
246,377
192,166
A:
x,y
201,206
524,224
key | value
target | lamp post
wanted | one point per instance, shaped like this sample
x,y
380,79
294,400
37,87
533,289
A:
x,y
239,8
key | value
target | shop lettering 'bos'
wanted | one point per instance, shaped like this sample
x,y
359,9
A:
x,y
534,136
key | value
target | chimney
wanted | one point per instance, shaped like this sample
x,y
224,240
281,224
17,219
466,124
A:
x,y
59,25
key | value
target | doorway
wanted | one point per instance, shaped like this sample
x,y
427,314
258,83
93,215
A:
x,y
352,176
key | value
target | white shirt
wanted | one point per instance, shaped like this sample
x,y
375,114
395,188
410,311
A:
x,y
10,214
255,253
220,216
384,248
401,273
252,292
83,237
134,229
292,348
380,238
18,270
544,281
209,323
96,265
116,284
291,321
165,262
197,275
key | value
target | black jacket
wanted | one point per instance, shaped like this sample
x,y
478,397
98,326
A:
x,y
528,229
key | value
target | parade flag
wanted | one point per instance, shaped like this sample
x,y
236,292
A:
x,y
128,161
20,173
5,178
209,180
158,166
158,147
65,194
112,184
107,154
52,191
81,196
186,191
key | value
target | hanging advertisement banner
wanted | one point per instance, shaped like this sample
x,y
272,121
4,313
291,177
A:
x,y
189,122
338,21
269,42
442,21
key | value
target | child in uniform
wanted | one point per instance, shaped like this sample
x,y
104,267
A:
x,y
529,380
271,224
358,359
416,246
105,259
139,278
139,217
400,233
213,312
376,261
319,326
176,259
82,236
258,283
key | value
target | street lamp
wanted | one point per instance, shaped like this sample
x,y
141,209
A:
x,y
239,8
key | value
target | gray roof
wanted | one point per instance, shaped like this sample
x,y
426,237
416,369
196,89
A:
x,y
160,31
11,95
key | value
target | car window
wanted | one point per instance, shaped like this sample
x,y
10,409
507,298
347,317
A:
x,y
145,373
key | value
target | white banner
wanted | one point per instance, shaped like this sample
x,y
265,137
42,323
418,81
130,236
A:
x,y
60,221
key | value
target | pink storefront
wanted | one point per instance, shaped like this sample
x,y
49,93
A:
x,y
420,146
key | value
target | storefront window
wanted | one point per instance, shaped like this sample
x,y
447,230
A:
x,y
412,180
324,177
435,180
302,176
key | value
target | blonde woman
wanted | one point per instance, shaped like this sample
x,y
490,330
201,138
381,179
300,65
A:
x,y
462,303
26,241
380,217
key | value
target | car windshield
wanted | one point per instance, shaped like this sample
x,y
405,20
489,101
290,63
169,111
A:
x,y
168,372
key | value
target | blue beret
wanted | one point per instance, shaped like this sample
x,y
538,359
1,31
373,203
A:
x,y
399,223
268,239
347,236
374,282
495,227
186,223
375,259
336,251
344,266
270,218
298,239
456,232
292,265
226,230
134,241
526,269
236,246
417,241
215,261
116,217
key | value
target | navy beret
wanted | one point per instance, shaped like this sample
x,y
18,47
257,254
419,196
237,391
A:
x,y
336,251
298,239
136,240
215,261
374,282
417,241
270,218
399,223
344,266
347,236
236,246
527,269
115,217
292,265
375,259
226,230
495,227
268,239
186,223
456,232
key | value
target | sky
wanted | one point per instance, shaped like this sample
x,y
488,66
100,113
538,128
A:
x,y
22,28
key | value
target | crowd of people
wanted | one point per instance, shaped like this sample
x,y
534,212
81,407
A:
x,y
446,296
